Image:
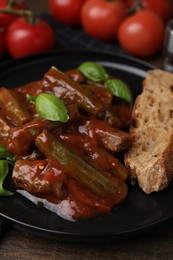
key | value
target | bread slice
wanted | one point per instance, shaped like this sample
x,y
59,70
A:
x,y
150,158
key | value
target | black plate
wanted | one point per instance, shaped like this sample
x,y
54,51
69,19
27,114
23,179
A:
x,y
139,212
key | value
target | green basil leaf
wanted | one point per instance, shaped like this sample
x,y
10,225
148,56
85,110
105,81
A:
x,y
5,154
51,107
119,89
93,71
3,174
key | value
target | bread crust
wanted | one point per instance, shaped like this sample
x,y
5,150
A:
x,y
150,157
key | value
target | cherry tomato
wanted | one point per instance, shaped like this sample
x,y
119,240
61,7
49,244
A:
x,y
101,18
162,7
2,41
23,38
7,18
142,33
66,11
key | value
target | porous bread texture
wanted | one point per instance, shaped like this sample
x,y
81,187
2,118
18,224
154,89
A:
x,y
150,157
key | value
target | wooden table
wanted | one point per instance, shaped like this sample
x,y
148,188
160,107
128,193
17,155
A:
x,y
154,244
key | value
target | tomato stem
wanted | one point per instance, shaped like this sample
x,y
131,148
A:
x,y
26,13
10,2
136,6
138,2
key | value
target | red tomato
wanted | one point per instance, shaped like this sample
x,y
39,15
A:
x,y
162,7
142,33
23,38
66,11
101,18
2,41
7,18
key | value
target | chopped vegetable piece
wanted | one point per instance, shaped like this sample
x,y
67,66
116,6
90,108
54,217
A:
x,y
111,138
76,75
14,107
38,177
100,157
23,137
70,91
102,93
77,168
4,129
116,140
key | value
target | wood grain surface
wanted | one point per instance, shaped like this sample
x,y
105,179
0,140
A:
x,y
154,244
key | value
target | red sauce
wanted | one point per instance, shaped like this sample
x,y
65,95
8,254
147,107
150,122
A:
x,y
50,179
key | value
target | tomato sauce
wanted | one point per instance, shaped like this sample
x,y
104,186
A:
x,y
69,167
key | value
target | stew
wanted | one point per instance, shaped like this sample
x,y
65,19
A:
x,y
75,165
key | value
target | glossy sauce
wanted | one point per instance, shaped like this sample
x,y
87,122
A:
x,y
55,182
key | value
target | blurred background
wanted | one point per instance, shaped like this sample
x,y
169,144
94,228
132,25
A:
x,y
123,26
39,6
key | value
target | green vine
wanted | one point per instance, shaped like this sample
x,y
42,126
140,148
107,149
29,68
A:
x,y
28,14
137,5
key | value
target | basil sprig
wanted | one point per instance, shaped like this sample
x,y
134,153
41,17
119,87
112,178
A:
x,y
96,72
93,71
6,158
119,89
50,107
3,173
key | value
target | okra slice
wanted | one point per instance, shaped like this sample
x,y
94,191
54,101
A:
x,y
77,168
38,177
14,107
23,137
4,129
71,91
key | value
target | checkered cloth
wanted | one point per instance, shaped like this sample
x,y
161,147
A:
x,y
76,38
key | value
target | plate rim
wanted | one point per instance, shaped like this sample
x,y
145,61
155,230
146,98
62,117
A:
x,y
42,55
